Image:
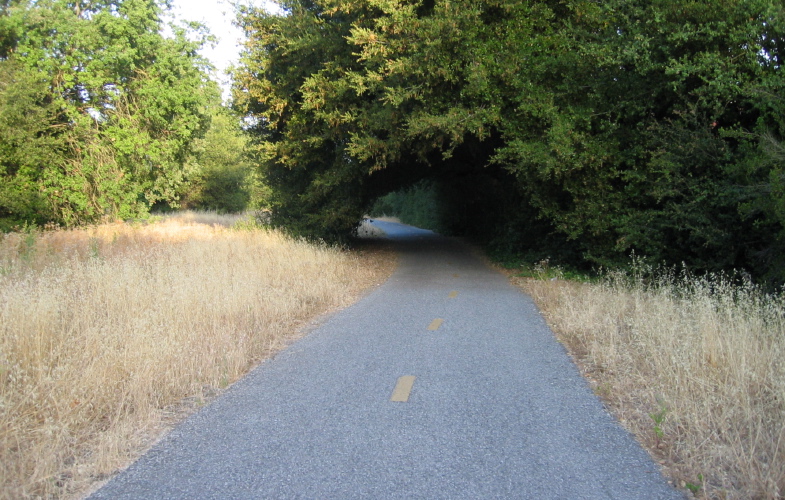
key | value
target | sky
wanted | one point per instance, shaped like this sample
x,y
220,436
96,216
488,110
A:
x,y
218,15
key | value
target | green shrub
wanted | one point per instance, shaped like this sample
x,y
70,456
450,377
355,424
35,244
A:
x,y
421,205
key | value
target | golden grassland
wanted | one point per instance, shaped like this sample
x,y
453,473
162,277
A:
x,y
694,368
109,332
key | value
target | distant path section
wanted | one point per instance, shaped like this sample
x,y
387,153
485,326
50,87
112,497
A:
x,y
445,382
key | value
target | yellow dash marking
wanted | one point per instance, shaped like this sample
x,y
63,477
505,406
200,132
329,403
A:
x,y
403,388
456,275
435,324
453,294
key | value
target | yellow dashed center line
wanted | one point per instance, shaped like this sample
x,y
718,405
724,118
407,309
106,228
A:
x,y
402,389
435,324
453,294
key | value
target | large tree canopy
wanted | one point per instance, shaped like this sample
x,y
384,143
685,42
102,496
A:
x,y
98,110
610,127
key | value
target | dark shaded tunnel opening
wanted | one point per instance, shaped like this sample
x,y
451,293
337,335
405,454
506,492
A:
x,y
470,196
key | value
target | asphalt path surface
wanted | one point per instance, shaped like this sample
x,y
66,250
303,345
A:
x,y
383,400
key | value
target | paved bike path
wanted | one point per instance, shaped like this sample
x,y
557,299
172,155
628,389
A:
x,y
496,408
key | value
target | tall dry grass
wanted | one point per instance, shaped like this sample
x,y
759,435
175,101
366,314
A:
x,y
694,367
104,331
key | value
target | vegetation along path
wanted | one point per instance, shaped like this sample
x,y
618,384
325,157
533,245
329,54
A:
x,y
443,383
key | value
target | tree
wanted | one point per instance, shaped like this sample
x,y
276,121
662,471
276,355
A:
x,y
606,127
680,84
304,161
225,180
99,110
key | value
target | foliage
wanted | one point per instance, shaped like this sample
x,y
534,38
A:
x,y
600,128
314,181
98,110
225,180
419,205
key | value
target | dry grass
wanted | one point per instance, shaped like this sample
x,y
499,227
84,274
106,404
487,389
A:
x,y
107,332
695,369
